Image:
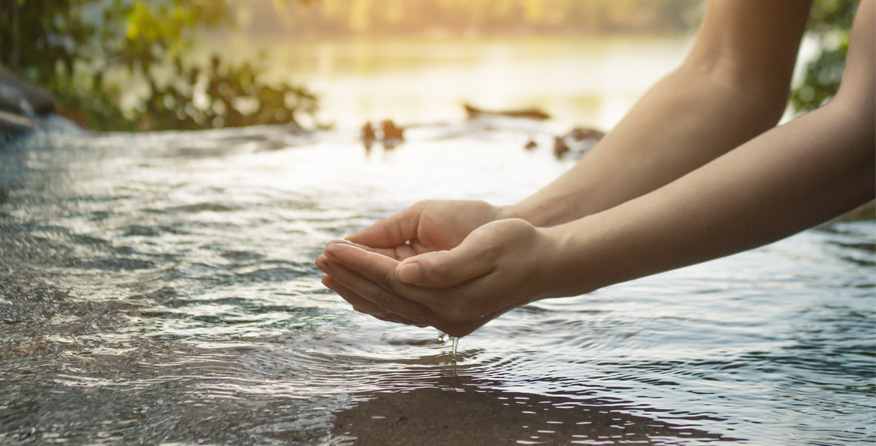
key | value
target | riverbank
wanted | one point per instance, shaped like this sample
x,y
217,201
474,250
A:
x,y
21,105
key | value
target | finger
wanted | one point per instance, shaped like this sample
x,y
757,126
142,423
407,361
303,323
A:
x,y
396,252
381,295
445,269
359,303
362,305
389,232
373,266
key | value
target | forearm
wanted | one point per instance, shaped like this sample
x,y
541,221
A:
x,y
686,120
784,181
732,87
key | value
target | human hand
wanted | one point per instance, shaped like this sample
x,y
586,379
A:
x,y
499,266
427,226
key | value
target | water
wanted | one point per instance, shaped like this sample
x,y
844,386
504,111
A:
x,y
159,288
578,79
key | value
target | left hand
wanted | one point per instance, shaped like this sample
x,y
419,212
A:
x,y
499,266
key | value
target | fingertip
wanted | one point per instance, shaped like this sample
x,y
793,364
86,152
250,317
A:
x,y
323,264
338,242
331,251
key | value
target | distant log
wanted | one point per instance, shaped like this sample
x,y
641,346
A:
x,y
527,113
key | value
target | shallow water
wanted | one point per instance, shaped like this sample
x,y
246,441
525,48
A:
x,y
159,288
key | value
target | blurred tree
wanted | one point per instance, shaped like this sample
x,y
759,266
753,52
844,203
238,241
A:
x,y
830,23
397,17
88,52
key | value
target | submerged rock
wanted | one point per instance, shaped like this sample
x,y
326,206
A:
x,y
578,141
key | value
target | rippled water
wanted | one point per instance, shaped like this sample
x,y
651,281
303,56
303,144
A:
x,y
159,288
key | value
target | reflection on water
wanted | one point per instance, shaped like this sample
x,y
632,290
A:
x,y
463,411
160,288
588,80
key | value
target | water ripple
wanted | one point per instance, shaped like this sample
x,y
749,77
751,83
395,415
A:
x,y
161,288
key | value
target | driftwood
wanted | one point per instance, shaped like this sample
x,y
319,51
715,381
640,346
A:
x,y
527,113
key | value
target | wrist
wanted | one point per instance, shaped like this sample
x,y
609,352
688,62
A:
x,y
572,262
552,211
538,216
549,270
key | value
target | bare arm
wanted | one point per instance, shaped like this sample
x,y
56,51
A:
x,y
732,87
776,184
786,180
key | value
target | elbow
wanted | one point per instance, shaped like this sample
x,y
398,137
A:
x,y
855,105
761,97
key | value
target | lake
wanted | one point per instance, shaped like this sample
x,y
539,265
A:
x,y
579,80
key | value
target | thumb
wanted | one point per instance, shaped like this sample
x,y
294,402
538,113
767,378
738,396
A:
x,y
444,269
390,231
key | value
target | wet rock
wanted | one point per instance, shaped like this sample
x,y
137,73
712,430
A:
x,y
20,104
368,132
393,135
23,98
578,141
392,131
12,124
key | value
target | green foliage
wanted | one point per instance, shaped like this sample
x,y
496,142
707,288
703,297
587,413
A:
x,y
830,23
91,53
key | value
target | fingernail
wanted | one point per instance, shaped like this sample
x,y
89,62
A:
x,y
337,242
409,272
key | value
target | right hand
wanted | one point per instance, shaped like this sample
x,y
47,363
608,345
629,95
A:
x,y
427,226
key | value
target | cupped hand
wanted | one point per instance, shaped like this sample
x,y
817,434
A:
x,y
499,266
427,226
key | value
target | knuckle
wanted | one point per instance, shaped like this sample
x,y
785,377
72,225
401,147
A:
x,y
379,297
385,301
390,282
438,271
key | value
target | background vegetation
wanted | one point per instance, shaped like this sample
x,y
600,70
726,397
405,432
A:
x,y
89,53
322,18
830,23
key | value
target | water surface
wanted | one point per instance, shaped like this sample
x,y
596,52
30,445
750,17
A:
x,y
159,288
588,80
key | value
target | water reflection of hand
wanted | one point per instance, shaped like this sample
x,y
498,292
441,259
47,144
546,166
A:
x,y
499,266
427,226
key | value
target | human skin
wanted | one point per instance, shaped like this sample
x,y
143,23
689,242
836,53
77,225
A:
x,y
706,186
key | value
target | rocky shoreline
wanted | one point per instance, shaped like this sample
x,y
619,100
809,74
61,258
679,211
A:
x,y
21,105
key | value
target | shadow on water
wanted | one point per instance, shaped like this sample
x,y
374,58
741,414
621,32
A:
x,y
460,410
